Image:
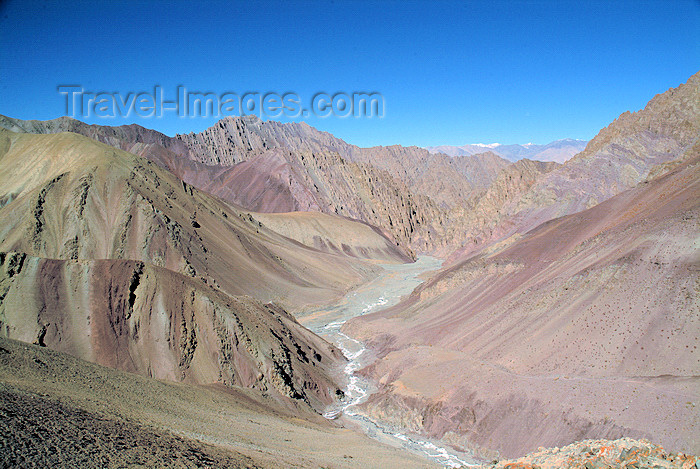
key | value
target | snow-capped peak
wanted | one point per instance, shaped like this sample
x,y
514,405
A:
x,y
487,145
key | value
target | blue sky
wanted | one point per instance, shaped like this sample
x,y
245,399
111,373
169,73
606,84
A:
x,y
449,72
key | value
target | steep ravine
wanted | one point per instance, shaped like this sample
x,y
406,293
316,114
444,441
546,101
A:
x,y
393,283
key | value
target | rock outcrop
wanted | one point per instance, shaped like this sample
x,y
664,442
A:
x,y
601,454
149,320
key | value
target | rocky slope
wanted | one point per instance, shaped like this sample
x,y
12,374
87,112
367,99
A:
x,y
274,167
618,158
155,322
108,257
429,203
404,190
623,153
486,217
600,454
68,197
584,327
334,234
60,411
435,176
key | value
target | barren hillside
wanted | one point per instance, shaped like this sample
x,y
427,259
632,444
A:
x,y
587,326
110,258
60,411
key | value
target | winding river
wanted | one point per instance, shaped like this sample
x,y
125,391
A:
x,y
386,290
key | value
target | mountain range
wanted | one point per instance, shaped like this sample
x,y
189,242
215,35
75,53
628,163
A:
x,y
567,306
558,151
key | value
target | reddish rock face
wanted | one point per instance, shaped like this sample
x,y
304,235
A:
x,y
157,323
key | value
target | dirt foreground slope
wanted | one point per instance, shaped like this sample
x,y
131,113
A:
x,y
59,411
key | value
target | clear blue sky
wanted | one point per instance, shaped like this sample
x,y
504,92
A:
x,y
450,72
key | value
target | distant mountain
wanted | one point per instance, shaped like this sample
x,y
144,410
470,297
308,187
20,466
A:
x,y
268,166
635,147
558,151
426,202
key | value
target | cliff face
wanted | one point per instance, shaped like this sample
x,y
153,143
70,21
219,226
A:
x,y
487,217
152,321
407,191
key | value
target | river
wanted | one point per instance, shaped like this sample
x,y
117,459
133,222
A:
x,y
386,290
